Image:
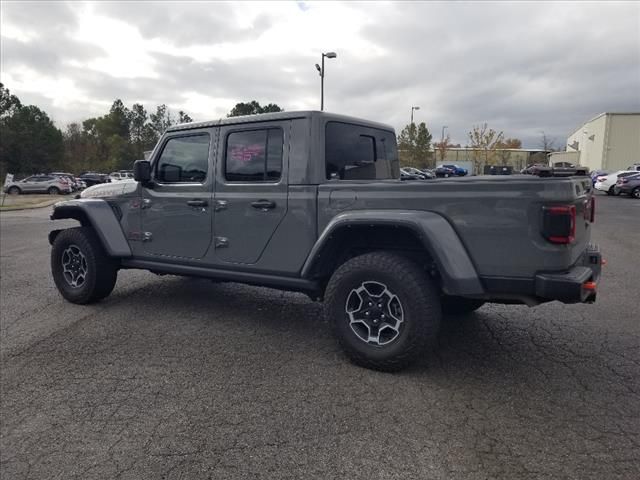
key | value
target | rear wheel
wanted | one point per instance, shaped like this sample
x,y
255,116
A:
x,y
635,193
53,191
81,269
384,309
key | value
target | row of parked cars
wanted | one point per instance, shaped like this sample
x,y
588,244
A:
x,y
56,183
442,171
622,182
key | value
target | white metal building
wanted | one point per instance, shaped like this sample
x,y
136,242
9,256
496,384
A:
x,y
610,141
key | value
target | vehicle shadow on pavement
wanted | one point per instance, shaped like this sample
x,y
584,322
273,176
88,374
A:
x,y
497,340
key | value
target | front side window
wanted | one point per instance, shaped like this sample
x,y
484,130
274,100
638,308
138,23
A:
x,y
354,152
254,156
184,160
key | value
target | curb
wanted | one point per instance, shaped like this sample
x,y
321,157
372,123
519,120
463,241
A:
x,y
29,207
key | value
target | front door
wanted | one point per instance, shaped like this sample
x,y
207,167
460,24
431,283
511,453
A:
x,y
251,189
177,210
32,184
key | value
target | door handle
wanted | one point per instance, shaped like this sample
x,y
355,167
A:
x,y
263,204
197,203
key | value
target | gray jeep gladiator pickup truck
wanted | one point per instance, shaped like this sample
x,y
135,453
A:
x,y
313,202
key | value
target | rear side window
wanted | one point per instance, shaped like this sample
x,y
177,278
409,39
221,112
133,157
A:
x,y
184,160
354,152
254,156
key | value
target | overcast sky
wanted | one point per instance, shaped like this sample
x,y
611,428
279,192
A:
x,y
520,67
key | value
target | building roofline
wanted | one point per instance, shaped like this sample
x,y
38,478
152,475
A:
x,y
601,115
499,149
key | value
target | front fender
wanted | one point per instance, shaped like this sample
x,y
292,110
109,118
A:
x,y
98,214
436,234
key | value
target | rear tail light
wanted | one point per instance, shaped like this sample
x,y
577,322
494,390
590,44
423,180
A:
x,y
559,224
601,179
590,209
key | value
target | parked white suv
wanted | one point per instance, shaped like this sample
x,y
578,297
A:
x,y
121,175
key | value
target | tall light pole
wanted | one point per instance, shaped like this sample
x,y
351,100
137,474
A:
x,y
321,72
412,109
442,147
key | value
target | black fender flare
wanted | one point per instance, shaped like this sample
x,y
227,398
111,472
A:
x,y
98,214
459,275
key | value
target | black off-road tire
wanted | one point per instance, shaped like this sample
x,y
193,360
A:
x,y
459,305
101,270
14,191
420,304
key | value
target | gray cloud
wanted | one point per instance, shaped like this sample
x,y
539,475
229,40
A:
x,y
185,23
522,68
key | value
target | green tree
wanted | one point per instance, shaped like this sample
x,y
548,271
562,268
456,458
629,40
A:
x,y
29,141
252,108
414,144
75,149
9,104
161,120
184,118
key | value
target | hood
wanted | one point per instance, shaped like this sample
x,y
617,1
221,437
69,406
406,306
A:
x,y
113,189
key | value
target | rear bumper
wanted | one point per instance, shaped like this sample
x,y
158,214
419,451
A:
x,y
578,284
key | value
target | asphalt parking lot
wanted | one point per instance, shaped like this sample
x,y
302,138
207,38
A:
x,y
181,378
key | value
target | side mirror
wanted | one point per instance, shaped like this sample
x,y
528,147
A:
x,y
142,171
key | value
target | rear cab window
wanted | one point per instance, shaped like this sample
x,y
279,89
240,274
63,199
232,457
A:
x,y
356,152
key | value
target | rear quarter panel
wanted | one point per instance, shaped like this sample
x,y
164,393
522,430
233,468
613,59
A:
x,y
498,218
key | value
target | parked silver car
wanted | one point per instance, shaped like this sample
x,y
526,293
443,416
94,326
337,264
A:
x,y
40,184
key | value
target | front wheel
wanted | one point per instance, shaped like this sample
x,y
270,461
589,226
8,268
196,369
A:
x,y
385,310
14,191
81,269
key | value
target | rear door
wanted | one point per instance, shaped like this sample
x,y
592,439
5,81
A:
x,y
251,189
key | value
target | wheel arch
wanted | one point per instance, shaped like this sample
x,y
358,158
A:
x,y
427,234
99,215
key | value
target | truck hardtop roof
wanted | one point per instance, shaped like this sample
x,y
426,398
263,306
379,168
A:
x,y
280,116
